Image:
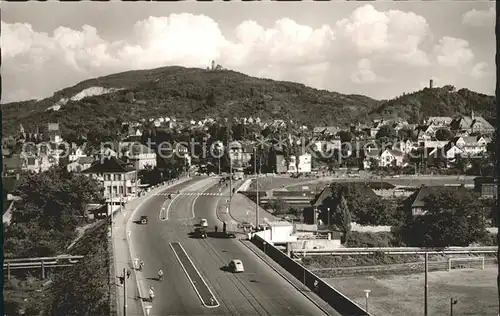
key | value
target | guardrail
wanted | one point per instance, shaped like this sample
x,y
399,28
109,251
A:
x,y
39,262
442,265
398,251
325,291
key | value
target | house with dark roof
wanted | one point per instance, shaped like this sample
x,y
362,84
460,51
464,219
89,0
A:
x,y
119,179
416,202
472,124
12,164
320,204
486,187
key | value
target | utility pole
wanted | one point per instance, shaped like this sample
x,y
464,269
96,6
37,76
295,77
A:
x,y
228,131
452,302
124,292
257,185
137,176
111,203
426,287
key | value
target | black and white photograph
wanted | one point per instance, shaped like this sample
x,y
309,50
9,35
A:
x,y
250,158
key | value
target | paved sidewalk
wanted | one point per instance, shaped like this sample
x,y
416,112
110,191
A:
x,y
121,252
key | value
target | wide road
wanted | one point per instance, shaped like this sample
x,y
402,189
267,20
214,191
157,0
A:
x,y
195,279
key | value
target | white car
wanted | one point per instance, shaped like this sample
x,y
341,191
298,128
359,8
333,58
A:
x,y
203,222
236,266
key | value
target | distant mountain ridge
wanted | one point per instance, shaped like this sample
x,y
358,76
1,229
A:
x,y
194,93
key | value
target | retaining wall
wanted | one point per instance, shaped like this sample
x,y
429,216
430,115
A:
x,y
333,297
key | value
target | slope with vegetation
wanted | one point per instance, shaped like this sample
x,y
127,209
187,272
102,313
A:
x,y
189,93
444,101
44,222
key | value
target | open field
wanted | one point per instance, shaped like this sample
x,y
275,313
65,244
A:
x,y
403,295
415,182
270,183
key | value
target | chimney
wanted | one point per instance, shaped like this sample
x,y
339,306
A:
x,y
431,84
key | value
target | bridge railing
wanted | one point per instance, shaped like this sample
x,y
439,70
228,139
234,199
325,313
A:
x,y
39,262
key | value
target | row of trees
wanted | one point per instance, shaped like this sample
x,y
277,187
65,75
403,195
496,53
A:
x,y
453,217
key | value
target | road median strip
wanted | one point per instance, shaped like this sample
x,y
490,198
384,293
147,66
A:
x,y
200,286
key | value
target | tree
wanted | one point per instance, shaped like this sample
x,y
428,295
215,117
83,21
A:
x,y
278,206
386,131
454,217
345,136
443,134
342,217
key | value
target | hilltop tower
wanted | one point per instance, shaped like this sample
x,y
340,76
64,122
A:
x,y
431,84
213,65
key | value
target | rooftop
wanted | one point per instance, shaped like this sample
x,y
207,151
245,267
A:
x,y
109,165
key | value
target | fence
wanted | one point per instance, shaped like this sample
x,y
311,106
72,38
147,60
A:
x,y
401,268
333,297
39,262
397,251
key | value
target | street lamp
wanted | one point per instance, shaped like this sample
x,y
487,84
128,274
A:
x,y
367,294
328,209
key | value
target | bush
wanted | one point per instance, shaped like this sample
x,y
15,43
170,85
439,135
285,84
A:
x,y
381,239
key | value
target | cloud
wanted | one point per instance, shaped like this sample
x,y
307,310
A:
x,y
364,73
479,70
453,52
394,34
479,18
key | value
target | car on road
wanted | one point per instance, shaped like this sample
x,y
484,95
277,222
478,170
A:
x,y
236,266
144,220
246,225
203,222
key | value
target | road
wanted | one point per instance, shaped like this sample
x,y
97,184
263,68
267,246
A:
x,y
166,244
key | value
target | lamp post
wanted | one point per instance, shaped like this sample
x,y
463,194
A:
x,y
257,185
328,209
426,285
367,294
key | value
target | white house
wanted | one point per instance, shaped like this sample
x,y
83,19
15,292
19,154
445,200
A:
x,y
390,157
141,155
304,163
440,120
80,164
118,178
75,153
469,145
449,151
435,143
325,146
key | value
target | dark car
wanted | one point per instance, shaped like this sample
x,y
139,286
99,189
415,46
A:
x,y
144,220
200,233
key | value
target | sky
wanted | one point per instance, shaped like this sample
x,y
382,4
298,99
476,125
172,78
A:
x,y
378,49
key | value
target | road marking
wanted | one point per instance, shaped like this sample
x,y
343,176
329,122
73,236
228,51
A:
x,y
192,194
171,202
212,301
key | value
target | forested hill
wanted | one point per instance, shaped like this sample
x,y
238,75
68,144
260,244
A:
x,y
194,93
444,101
187,93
